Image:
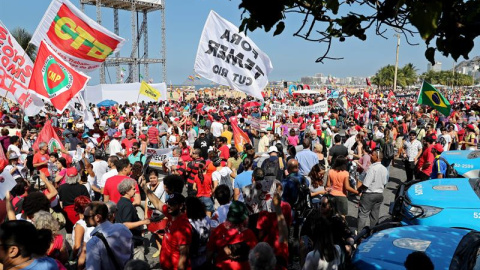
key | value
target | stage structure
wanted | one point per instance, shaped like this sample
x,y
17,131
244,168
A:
x,y
138,31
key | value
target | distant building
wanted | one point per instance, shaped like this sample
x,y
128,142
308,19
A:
x,y
437,67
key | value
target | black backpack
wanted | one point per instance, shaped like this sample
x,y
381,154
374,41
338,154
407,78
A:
x,y
303,202
271,168
451,172
388,151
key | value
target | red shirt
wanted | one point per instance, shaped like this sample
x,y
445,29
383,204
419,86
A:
x,y
426,157
204,189
153,135
39,158
267,225
127,145
177,233
221,237
224,152
111,187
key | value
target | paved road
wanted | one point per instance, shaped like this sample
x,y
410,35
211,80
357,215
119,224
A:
x,y
397,176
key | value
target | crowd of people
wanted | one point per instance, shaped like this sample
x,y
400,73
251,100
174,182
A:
x,y
274,202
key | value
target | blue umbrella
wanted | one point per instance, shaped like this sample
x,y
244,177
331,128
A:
x,y
107,103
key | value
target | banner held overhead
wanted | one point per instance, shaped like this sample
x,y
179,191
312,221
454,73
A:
x,y
54,79
81,41
228,57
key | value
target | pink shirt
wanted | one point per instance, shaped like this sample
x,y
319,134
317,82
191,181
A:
x,y
293,140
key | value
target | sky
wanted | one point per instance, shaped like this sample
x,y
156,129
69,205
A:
x,y
292,57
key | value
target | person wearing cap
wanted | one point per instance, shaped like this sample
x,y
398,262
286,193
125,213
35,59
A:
x,y
439,169
178,232
127,143
264,142
13,166
115,147
274,165
191,133
67,194
470,142
411,152
118,237
425,162
202,143
230,243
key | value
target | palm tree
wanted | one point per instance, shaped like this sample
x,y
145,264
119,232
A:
x,y
23,38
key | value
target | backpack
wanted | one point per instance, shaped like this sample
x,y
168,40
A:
x,y
272,168
303,201
451,172
225,180
388,151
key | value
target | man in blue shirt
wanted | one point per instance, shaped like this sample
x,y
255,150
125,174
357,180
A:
x,y
439,169
118,237
306,158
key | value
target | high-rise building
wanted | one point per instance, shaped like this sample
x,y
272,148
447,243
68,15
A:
x,y
437,67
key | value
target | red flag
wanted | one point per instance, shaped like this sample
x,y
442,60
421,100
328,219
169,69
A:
x,y
55,79
50,137
391,95
368,82
239,136
366,95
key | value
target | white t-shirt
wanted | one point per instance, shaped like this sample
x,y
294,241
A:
x,y
160,193
220,215
313,261
14,148
100,167
114,147
217,129
217,175
101,183
87,232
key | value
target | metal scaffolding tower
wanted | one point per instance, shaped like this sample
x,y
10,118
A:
x,y
135,59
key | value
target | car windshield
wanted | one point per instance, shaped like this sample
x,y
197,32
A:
x,y
467,252
475,183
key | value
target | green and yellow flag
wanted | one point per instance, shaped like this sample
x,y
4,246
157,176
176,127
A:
x,y
433,98
148,91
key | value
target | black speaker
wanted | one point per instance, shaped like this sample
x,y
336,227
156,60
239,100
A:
x,y
285,85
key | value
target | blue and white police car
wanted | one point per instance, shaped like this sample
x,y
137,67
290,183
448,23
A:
x,y
448,202
448,248
465,162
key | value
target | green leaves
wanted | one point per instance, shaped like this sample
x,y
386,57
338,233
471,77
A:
x,y
333,5
424,15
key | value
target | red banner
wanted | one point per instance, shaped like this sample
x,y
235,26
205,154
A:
x,y
54,79
81,41
50,137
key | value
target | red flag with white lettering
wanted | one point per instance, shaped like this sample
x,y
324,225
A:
x,y
55,79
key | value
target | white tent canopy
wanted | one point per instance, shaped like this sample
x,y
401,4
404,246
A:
x,y
120,92
307,92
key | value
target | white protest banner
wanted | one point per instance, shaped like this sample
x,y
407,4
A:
x,y
319,107
158,156
81,41
15,73
228,57
258,124
6,183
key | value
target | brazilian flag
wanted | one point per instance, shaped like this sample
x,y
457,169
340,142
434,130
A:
x,y
433,98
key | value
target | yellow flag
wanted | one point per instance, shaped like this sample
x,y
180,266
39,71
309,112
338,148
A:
x,y
149,91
